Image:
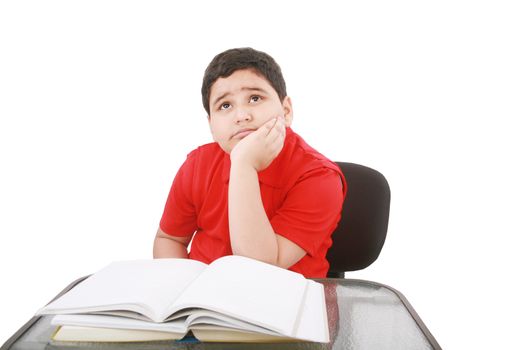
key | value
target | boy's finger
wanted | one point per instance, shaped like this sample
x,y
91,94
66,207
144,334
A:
x,y
279,126
269,125
276,128
277,134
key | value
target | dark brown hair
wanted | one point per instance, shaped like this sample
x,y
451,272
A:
x,y
229,61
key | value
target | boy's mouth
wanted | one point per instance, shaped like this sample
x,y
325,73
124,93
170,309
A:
x,y
240,134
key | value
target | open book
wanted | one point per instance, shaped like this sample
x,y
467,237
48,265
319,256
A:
x,y
232,299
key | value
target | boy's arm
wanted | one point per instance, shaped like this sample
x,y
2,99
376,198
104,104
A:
x,y
179,215
166,246
251,233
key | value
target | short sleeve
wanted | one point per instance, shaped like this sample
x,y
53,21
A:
x,y
311,210
179,217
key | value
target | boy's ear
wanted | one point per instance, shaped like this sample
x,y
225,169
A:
x,y
288,111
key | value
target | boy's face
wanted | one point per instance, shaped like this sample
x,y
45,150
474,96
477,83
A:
x,y
240,104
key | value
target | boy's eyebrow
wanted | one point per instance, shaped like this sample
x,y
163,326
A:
x,y
242,89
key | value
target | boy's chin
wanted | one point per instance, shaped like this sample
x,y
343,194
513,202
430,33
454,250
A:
x,y
226,148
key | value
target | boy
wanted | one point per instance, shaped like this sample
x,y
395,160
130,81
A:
x,y
259,190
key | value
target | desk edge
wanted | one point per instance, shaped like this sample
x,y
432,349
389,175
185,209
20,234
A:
x,y
9,342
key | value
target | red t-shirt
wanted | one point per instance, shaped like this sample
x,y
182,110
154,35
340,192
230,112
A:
x,y
302,193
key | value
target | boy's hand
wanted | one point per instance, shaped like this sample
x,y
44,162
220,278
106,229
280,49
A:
x,y
262,146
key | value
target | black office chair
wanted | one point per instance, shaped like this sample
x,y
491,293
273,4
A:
x,y
359,237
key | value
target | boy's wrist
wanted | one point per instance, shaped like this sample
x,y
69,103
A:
x,y
244,157
238,164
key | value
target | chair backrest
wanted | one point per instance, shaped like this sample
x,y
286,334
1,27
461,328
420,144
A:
x,y
359,237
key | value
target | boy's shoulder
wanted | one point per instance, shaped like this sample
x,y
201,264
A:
x,y
206,156
296,162
207,150
301,152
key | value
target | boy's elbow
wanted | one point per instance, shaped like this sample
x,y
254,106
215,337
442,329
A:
x,y
288,252
165,246
268,257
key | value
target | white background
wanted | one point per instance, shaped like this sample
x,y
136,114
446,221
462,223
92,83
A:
x,y
100,103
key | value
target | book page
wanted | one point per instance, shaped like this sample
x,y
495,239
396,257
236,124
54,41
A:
x,y
208,318
312,324
313,321
104,321
215,334
110,335
249,290
147,287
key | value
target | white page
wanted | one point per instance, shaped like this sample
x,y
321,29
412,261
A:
x,y
312,324
206,317
113,335
313,321
143,286
104,321
247,289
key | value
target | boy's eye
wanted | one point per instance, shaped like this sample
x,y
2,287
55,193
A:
x,y
255,98
225,106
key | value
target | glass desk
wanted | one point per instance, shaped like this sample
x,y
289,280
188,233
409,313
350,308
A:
x,y
361,315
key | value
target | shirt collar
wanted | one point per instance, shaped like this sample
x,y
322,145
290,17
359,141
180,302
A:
x,y
271,175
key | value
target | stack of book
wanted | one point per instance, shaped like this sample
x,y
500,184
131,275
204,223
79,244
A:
x,y
234,299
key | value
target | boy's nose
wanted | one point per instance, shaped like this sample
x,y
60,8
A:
x,y
242,116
